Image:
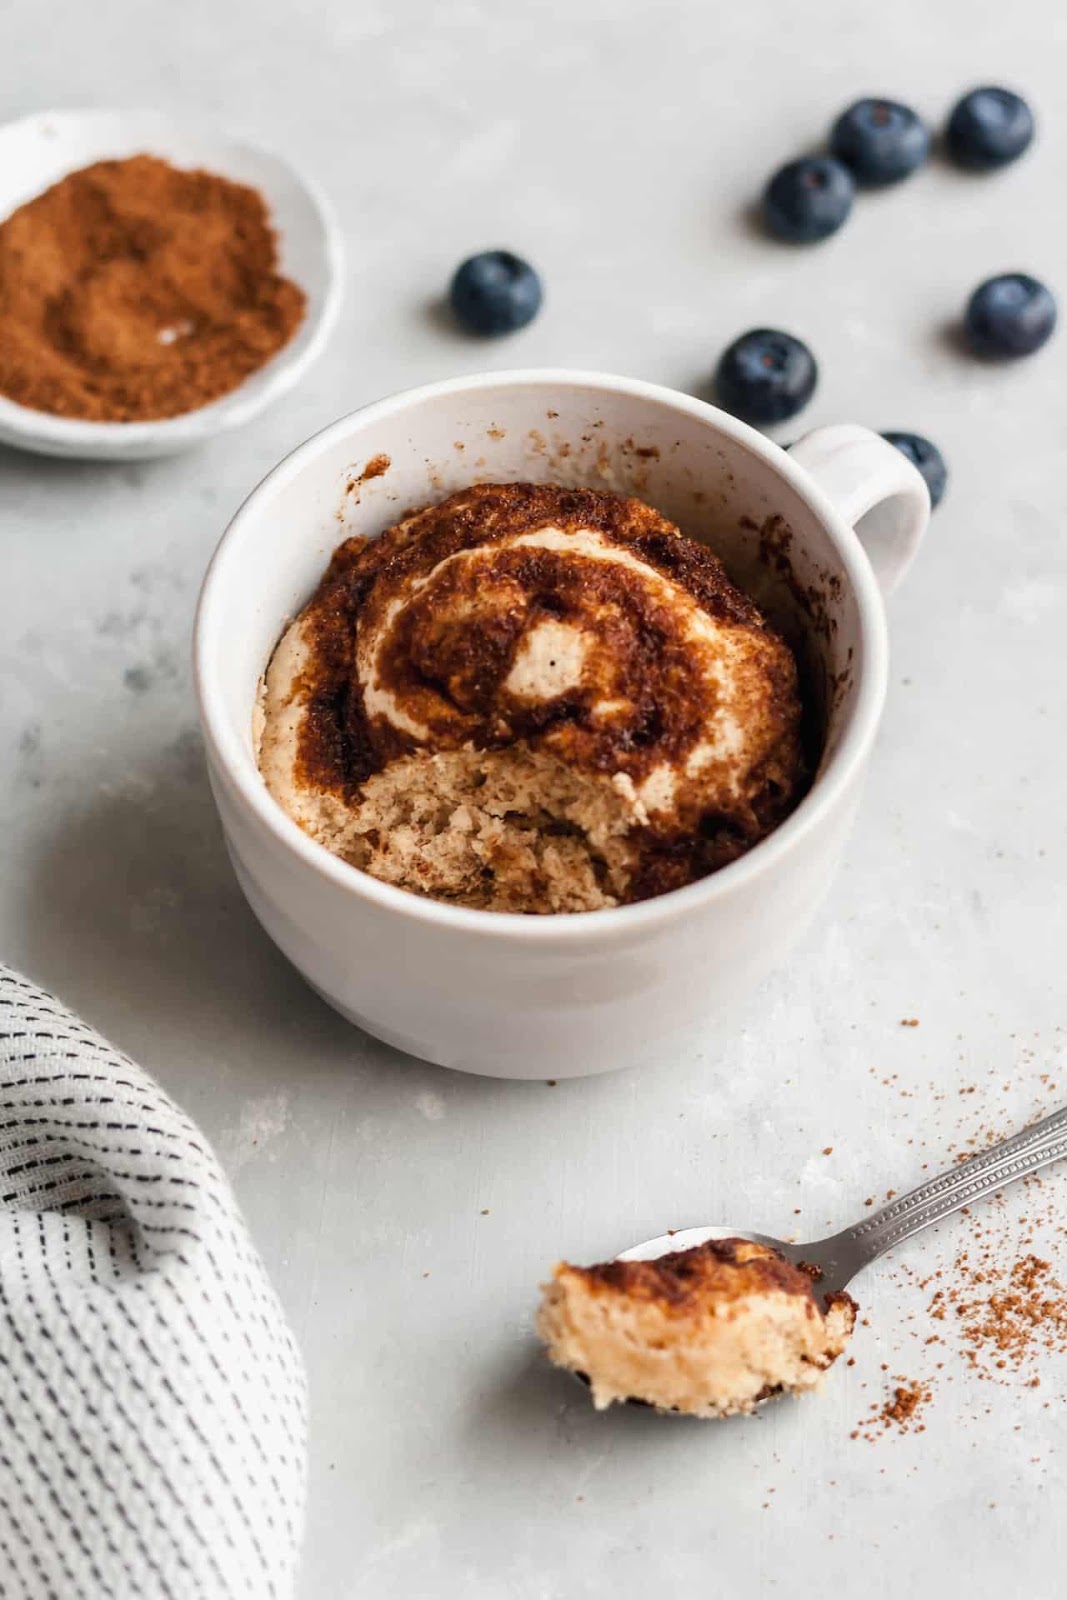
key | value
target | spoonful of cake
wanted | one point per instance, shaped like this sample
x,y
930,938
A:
x,y
712,1321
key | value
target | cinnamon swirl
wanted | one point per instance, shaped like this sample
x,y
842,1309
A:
x,y
532,699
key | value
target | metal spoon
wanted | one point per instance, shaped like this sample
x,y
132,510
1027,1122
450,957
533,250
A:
x,y
841,1256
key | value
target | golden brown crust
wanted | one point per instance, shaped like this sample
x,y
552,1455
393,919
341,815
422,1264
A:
x,y
719,1269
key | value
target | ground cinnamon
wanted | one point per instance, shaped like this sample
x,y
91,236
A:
x,y
133,290
901,1408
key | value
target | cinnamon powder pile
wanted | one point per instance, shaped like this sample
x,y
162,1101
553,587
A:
x,y
132,290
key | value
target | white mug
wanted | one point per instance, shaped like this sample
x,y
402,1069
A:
x,y
560,996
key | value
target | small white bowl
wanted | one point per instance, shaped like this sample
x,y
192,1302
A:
x,y
39,150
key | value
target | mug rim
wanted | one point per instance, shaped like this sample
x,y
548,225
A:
x,y
227,753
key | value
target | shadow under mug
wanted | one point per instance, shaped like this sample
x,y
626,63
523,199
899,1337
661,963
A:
x,y
565,995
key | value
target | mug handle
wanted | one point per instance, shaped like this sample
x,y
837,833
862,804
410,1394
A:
x,y
875,489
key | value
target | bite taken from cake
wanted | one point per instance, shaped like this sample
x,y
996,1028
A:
x,y
709,1331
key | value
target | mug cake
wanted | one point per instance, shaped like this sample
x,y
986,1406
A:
x,y
532,699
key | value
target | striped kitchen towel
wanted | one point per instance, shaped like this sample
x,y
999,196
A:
x,y
152,1401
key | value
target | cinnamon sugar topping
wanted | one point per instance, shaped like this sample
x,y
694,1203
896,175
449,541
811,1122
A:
x,y
530,698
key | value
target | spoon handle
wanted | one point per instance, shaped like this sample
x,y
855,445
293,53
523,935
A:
x,y
1017,1157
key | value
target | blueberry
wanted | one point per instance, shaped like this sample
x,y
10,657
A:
x,y
808,200
880,141
495,292
927,457
766,376
1012,315
988,128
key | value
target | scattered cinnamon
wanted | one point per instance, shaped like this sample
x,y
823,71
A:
x,y
132,290
998,1304
1006,1312
995,1310
901,1409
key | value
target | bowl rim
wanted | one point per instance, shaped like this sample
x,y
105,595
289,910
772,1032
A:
x,y
230,757
81,436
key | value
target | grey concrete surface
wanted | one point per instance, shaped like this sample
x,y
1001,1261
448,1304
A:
x,y
406,1214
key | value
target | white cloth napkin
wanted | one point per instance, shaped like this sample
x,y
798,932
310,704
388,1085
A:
x,y
152,1400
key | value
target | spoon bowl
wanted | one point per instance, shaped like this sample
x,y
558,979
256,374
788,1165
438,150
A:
x,y
37,151
690,1238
